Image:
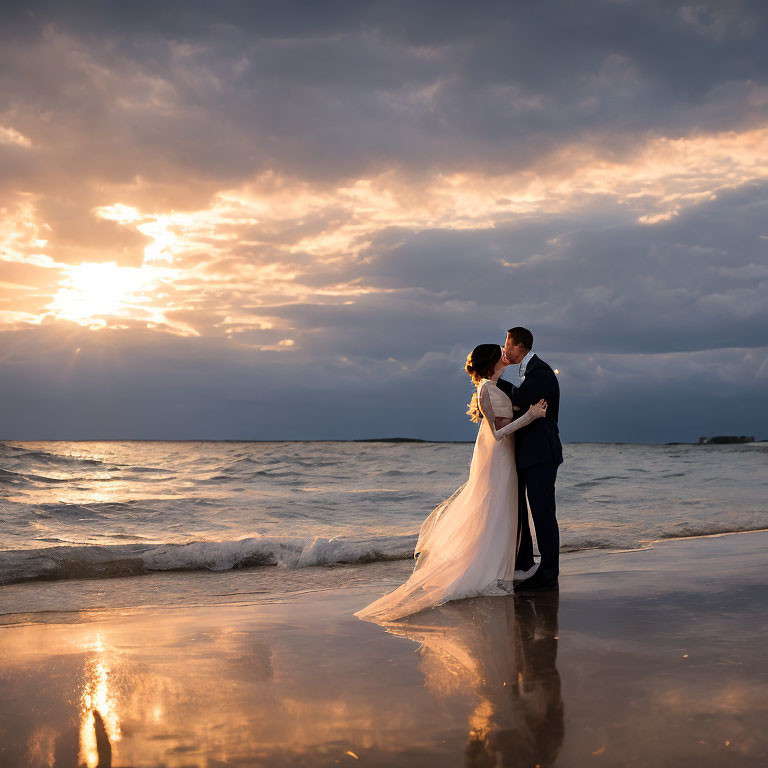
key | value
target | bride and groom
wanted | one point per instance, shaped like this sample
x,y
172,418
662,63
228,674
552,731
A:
x,y
473,542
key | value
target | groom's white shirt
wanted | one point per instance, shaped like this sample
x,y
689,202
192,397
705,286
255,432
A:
x,y
524,364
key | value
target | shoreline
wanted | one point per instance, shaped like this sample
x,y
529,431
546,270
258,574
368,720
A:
x,y
129,564
646,657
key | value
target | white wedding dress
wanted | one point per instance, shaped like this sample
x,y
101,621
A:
x,y
468,542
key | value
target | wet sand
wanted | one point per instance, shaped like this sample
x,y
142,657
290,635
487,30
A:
x,y
646,658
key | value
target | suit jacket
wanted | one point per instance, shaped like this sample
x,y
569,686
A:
x,y
539,442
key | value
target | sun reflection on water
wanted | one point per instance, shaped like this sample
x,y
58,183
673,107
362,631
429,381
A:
x,y
97,707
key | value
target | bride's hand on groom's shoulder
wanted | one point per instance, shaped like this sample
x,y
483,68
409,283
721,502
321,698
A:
x,y
537,410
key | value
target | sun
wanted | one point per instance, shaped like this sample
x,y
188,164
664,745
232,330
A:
x,y
92,291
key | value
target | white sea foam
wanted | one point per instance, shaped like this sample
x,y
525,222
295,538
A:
x,y
125,560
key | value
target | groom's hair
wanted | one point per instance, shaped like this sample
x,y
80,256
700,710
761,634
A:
x,y
521,336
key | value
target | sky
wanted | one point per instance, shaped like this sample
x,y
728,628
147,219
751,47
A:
x,y
294,220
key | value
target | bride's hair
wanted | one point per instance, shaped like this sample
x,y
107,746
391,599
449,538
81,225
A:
x,y
480,364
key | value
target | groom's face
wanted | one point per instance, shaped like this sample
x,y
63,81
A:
x,y
514,352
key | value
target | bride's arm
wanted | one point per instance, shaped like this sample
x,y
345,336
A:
x,y
534,412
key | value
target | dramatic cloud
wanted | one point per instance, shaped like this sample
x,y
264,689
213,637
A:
x,y
209,211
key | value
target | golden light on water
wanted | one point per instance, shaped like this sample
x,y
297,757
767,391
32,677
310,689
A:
x,y
96,696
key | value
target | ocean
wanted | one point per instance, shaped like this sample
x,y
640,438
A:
x,y
104,510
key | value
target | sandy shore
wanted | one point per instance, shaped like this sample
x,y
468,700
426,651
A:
x,y
647,658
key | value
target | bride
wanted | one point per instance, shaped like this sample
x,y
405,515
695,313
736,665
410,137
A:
x,y
468,543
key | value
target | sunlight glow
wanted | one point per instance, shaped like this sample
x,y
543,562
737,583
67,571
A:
x,y
164,239
92,290
157,227
263,241
122,214
12,136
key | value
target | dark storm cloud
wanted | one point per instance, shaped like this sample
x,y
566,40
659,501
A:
x,y
699,281
334,90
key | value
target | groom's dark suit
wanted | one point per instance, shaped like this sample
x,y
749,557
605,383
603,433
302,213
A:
x,y
538,454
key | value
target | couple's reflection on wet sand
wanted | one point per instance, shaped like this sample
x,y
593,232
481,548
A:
x,y
502,650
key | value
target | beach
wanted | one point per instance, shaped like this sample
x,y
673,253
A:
x,y
645,657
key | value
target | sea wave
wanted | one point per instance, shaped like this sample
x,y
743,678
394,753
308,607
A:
x,y
45,457
95,561
7,477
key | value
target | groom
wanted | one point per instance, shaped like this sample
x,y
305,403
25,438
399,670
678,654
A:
x,y
538,454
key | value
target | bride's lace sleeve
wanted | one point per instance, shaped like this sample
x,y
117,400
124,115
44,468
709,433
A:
x,y
487,410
